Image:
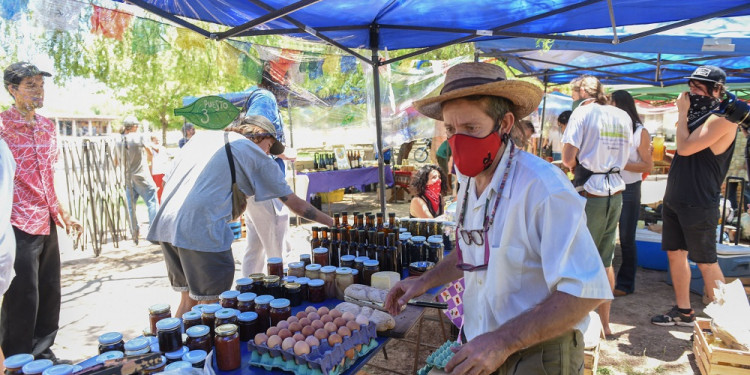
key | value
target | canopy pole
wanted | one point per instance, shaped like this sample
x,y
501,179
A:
x,y
612,19
374,41
291,144
544,108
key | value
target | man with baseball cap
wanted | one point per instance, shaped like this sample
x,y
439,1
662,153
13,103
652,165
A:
x,y
136,149
192,224
705,143
31,307
529,283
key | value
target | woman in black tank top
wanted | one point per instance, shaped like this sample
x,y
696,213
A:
x,y
427,185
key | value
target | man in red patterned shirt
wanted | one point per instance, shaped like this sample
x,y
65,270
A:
x,y
31,307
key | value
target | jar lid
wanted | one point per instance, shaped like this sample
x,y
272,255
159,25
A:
x,y
280,303
244,281
195,356
159,308
347,258
264,299
289,279
257,276
422,266
168,324
316,282
137,343
296,265
191,315
304,256
313,267
320,250
328,269
227,329
246,297
360,259
198,309
355,271
110,338
155,348
418,239
229,294
292,285
198,331
435,239
178,365
343,271
274,260
271,279
247,316
225,314
302,280
371,263
36,366
211,308
18,360
402,230
403,236
177,354
108,356
62,369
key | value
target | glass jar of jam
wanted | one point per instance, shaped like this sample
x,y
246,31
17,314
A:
x,y
62,369
137,346
272,284
228,299
156,313
312,271
371,266
302,281
316,291
176,355
257,285
347,261
15,363
227,344
434,248
111,341
263,308
196,358
244,285
416,249
208,316
169,334
293,293
178,365
246,302
190,319
199,337
248,325
158,367
287,280
305,258
356,276
108,356
359,265
344,278
280,310
328,274
275,267
226,316
320,256
296,269
418,268
403,246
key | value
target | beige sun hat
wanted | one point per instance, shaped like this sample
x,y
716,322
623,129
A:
x,y
478,78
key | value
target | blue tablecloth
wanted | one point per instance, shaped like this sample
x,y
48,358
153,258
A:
x,y
323,182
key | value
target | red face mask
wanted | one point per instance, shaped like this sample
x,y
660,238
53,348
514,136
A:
x,y
473,155
432,192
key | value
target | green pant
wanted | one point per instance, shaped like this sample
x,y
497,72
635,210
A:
x,y
562,355
602,223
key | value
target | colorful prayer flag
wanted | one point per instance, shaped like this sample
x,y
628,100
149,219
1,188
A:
x,y
109,23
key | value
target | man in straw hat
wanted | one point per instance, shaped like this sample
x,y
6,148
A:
x,y
530,283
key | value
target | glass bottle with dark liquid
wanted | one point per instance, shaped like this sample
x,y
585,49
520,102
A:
x,y
353,242
379,224
336,220
369,221
345,220
335,247
344,243
325,241
380,248
392,227
362,243
360,222
372,244
392,255
315,242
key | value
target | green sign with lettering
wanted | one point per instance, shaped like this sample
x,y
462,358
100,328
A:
x,y
210,112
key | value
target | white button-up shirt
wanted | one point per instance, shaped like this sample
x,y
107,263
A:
x,y
539,243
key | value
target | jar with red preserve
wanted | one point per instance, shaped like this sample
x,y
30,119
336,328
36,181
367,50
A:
x,y
226,316
198,338
316,291
190,319
272,284
281,309
227,343
276,267
248,323
228,299
244,285
246,302
320,256
263,308
257,285
302,281
156,313
208,317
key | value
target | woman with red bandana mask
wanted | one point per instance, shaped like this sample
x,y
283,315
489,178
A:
x,y
427,186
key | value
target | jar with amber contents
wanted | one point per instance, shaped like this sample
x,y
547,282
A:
x,y
320,256
227,344
111,341
196,358
248,325
246,302
169,334
244,285
208,316
15,363
257,285
226,316
275,267
312,271
328,274
371,266
344,278
228,299
305,258
316,291
156,313
199,337
347,261
302,281
272,284
137,346
280,310
263,308
359,265
296,269
190,319
293,293
158,367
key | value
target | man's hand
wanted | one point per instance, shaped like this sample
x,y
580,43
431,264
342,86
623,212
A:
x,y
401,293
71,224
683,103
480,356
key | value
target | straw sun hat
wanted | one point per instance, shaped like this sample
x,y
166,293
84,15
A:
x,y
477,78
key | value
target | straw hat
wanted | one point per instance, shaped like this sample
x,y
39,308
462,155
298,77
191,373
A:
x,y
477,78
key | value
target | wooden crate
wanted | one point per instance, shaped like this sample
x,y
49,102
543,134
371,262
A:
x,y
591,360
717,361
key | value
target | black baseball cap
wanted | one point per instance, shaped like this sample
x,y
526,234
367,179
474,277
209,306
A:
x,y
709,73
16,72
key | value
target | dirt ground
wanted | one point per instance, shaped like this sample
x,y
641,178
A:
x,y
112,292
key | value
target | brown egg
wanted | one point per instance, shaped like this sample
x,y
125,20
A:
x,y
353,326
362,320
274,341
326,318
313,316
312,341
301,348
292,319
348,316
310,309
350,353
261,338
282,324
305,321
284,333
330,327
335,313
323,310
301,315
321,334
339,322
272,331
334,339
288,343
317,324
298,337
308,330
295,327
344,332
